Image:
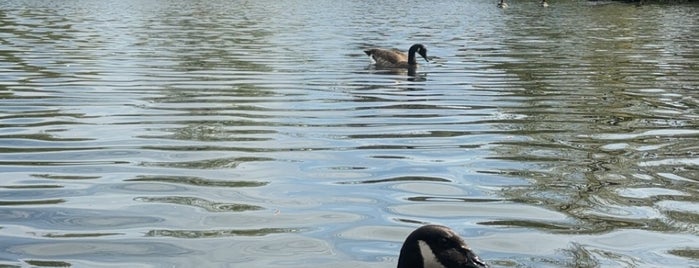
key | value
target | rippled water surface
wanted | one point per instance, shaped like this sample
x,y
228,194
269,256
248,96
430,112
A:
x,y
256,134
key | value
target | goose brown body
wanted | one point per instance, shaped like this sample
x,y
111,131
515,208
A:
x,y
392,58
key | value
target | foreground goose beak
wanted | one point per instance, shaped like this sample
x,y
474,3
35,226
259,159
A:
x,y
437,246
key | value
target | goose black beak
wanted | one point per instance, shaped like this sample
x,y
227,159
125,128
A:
x,y
461,257
471,260
423,53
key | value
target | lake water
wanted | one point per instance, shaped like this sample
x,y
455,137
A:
x,y
186,133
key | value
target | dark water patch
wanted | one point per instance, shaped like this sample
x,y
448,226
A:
x,y
25,140
547,226
220,147
78,235
341,168
31,202
397,179
411,221
65,177
200,203
389,157
194,234
196,181
228,162
692,253
32,186
48,263
59,163
448,199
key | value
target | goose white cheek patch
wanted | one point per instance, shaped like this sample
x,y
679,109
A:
x,y
429,259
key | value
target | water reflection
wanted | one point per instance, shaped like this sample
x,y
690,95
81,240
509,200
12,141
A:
x,y
73,219
412,72
196,181
399,179
218,233
200,203
577,166
252,133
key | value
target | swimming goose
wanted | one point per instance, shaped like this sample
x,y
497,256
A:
x,y
396,59
436,246
502,4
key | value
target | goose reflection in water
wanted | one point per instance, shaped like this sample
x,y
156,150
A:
x,y
393,61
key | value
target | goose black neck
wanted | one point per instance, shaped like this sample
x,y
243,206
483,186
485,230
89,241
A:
x,y
411,54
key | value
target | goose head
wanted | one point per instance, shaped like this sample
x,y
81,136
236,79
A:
x,y
436,246
420,49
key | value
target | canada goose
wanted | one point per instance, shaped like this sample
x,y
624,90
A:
x,y
502,4
396,59
436,246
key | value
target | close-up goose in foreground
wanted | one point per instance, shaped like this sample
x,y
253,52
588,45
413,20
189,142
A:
x,y
436,246
391,58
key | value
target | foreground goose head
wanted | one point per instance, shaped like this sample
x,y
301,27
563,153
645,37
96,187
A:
x,y
436,246
396,59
